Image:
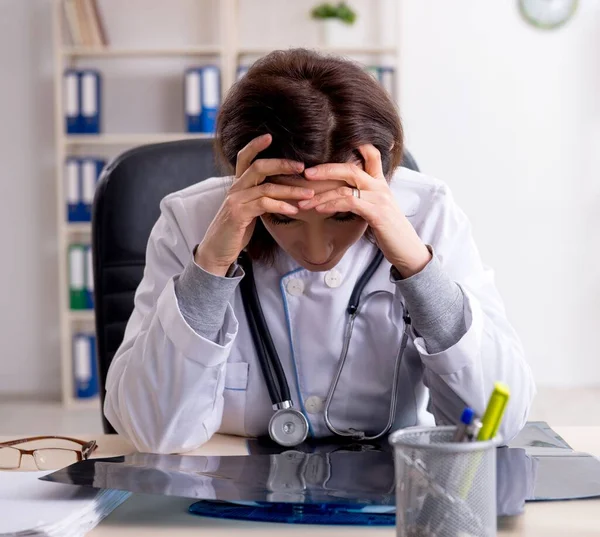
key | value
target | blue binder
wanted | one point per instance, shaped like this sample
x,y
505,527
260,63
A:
x,y
91,169
81,178
202,98
193,99
75,209
90,91
89,278
241,71
85,376
211,97
72,101
386,78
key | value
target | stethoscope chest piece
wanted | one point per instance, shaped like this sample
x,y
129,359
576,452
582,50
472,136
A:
x,y
288,427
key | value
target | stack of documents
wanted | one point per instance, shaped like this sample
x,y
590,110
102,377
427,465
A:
x,y
31,507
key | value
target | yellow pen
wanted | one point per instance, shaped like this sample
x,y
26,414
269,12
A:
x,y
490,422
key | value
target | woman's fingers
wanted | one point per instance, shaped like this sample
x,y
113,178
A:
x,y
359,206
372,158
260,169
264,205
350,173
270,198
250,172
324,197
275,191
246,155
369,178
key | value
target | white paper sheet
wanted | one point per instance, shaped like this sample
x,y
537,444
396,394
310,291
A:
x,y
29,506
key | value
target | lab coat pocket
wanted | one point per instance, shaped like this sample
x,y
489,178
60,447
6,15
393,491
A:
x,y
234,395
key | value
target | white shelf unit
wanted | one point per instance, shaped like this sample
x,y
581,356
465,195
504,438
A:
x,y
76,228
229,54
82,52
128,139
358,50
82,316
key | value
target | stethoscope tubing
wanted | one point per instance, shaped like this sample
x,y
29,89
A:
x,y
272,369
360,435
270,363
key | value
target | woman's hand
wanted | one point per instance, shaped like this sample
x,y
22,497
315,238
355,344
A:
x,y
248,198
395,235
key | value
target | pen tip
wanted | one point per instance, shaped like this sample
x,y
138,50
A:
x,y
467,416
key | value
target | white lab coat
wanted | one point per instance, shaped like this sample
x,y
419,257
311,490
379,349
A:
x,y
169,389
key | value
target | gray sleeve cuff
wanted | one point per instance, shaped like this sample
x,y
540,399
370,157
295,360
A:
x,y
435,304
203,297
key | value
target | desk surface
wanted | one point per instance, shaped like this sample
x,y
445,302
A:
x,y
148,515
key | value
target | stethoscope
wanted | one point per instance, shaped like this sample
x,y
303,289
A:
x,y
288,426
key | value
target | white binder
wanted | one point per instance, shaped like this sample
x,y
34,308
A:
x,y
89,278
211,97
193,100
90,101
71,102
88,184
241,71
386,78
76,268
82,360
72,190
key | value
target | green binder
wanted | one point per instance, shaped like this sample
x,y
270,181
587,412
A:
x,y
77,298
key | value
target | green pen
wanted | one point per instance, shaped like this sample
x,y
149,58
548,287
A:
x,y
490,422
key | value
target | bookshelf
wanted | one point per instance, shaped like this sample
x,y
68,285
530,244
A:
x,y
227,52
77,227
343,51
81,316
128,139
81,52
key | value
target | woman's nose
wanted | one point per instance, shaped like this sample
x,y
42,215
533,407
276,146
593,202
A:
x,y
316,250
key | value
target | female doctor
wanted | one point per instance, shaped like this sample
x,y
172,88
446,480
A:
x,y
321,289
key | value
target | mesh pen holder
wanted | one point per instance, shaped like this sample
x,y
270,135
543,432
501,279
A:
x,y
444,488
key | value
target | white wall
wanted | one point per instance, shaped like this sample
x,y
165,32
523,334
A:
x,y
29,360
507,115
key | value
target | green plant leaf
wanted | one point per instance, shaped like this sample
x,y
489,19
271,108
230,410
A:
x,y
341,11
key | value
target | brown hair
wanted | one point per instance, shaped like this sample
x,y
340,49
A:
x,y
317,108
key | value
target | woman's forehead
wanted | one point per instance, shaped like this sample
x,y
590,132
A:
x,y
296,180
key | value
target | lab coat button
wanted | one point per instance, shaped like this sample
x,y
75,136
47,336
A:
x,y
295,287
314,404
333,278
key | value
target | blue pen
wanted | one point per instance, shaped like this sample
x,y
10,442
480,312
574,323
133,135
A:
x,y
466,419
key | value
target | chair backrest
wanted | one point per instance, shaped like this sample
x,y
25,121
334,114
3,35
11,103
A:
x,y
126,207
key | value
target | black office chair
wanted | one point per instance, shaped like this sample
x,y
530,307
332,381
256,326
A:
x,y
126,206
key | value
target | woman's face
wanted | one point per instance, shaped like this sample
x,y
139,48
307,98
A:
x,y
316,241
